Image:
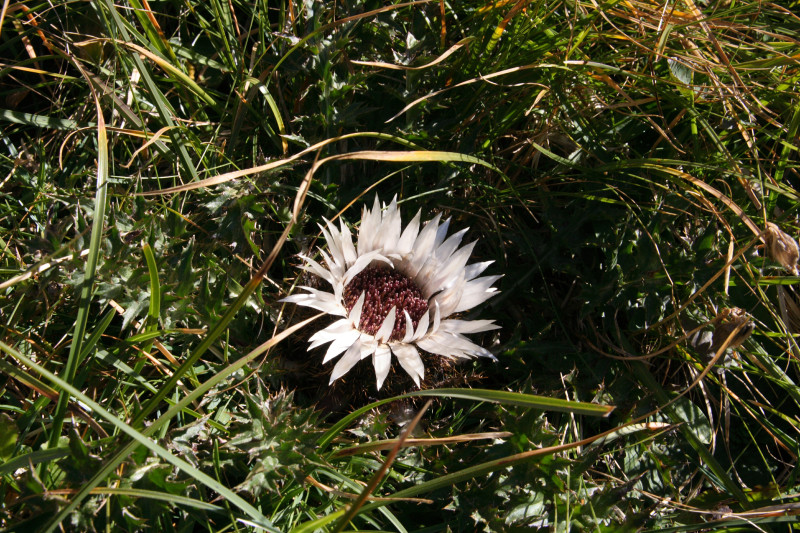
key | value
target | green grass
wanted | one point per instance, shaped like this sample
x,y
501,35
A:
x,y
161,166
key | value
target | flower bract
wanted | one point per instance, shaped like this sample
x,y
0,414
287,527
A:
x,y
397,291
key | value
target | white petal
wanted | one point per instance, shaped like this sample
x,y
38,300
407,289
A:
x,y
468,326
363,262
427,236
441,233
409,359
340,344
422,326
409,235
382,360
476,292
333,238
423,246
449,298
448,274
370,227
296,298
320,300
365,229
391,226
385,331
368,345
424,276
338,291
330,333
409,327
355,312
348,361
435,347
437,317
449,246
337,269
452,345
348,250
455,264
474,270
316,268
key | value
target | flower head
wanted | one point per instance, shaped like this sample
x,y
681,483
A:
x,y
396,290
782,247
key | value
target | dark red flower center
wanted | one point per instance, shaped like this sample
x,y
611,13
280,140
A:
x,y
385,288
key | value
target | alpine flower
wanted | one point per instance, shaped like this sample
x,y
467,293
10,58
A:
x,y
396,291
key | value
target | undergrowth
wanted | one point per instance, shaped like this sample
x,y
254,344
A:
x,y
163,164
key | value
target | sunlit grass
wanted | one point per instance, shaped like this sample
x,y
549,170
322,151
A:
x,y
161,166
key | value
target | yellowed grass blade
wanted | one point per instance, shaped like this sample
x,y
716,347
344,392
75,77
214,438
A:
x,y
230,176
373,155
154,139
390,443
450,51
475,80
352,511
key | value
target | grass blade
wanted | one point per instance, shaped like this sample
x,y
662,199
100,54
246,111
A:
x,y
143,440
95,240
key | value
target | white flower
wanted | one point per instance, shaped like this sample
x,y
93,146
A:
x,y
395,291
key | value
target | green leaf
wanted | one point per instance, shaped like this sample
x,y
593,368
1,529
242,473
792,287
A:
x,y
8,437
150,444
694,418
41,121
479,395
154,310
